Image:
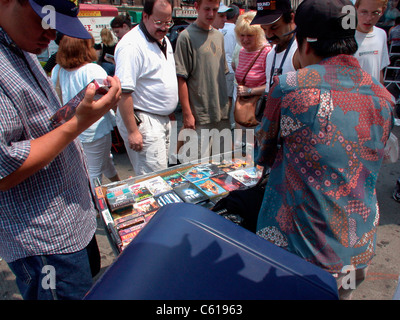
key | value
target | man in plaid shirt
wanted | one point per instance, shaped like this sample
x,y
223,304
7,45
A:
x,y
47,216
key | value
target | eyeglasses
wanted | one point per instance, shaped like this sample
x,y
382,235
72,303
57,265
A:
x,y
159,23
374,14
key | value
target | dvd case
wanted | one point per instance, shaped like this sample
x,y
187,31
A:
x,y
210,187
157,185
167,198
188,192
119,197
146,206
140,191
248,178
174,179
227,182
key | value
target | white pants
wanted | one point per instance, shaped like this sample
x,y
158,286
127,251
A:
x,y
99,158
155,130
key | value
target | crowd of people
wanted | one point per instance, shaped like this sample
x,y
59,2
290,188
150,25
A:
x,y
326,122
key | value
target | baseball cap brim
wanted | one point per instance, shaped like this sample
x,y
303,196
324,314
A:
x,y
68,25
223,8
266,19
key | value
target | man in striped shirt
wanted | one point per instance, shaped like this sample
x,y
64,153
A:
x,y
47,217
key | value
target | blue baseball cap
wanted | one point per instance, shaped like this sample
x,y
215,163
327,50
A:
x,y
61,15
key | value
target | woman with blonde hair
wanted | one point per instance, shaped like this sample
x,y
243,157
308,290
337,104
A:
x,y
252,39
75,69
250,70
106,51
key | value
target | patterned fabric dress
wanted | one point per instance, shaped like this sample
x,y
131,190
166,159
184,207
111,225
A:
x,y
332,121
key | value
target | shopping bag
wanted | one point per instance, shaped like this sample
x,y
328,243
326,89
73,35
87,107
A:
x,y
391,153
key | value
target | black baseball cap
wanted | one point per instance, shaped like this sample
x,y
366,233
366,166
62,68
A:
x,y
328,19
270,11
62,15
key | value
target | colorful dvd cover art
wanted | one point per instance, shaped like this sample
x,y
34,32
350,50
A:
x,y
210,169
193,174
130,229
247,178
167,198
241,163
157,185
209,187
235,164
254,172
174,179
119,197
146,205
188,192
226,167
127,235
227,182
140,191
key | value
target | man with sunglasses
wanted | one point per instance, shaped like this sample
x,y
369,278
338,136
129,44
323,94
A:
x,y
372,53
47,215
146,67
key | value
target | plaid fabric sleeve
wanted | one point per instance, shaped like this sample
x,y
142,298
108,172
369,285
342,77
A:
x,y
12,154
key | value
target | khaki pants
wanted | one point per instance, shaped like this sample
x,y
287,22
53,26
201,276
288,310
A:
x,y
155,130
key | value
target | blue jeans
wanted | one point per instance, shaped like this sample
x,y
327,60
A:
x,y
58,276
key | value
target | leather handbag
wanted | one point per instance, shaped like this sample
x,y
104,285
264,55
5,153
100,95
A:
x,y
245,106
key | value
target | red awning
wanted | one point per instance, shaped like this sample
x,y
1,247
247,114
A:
x,y
97,10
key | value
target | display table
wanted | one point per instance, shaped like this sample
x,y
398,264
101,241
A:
x,y
127,206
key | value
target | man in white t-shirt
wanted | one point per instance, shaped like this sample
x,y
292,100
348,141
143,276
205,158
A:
x,y
146,67
277,20
372,53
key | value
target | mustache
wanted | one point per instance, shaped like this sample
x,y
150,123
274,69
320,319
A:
x,y
275,37
272,39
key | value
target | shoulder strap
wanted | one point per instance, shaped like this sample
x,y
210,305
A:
x,y
251,65
58,87
282,62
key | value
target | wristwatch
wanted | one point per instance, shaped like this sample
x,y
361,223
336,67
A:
x,y
249,90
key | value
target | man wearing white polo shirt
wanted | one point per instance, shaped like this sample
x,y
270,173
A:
x,y
146,67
